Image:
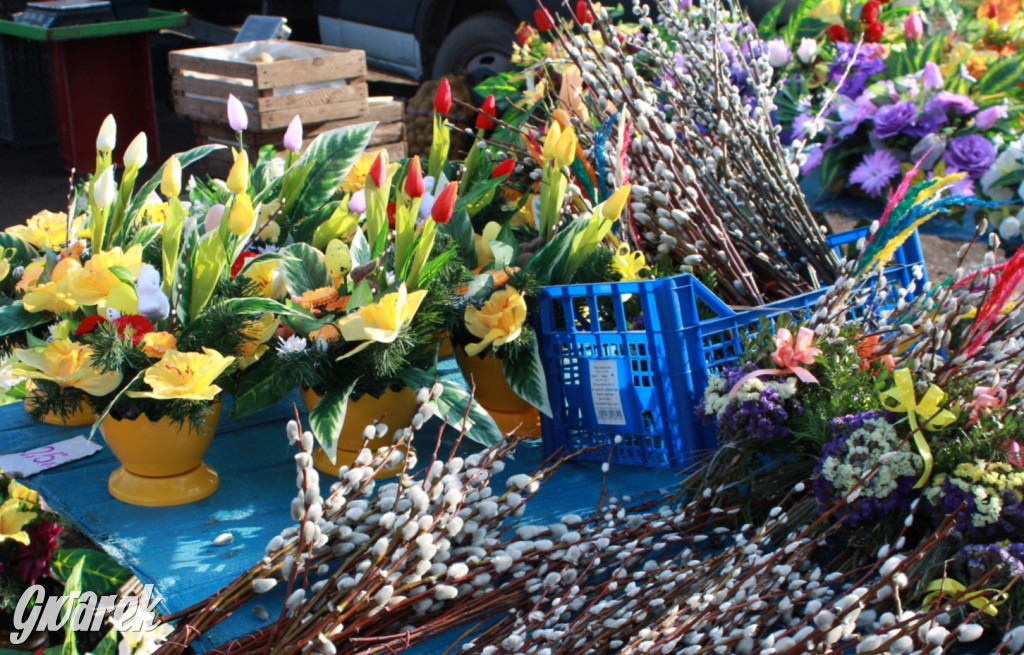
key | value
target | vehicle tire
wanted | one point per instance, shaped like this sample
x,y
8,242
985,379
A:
x,y
480,46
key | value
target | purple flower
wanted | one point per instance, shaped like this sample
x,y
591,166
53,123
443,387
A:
x,y
853,112
815,155
945,102
765,418
357,203
862,66
927,123
237,118
891,119
972,154
875,172
293,135
986,118
931,76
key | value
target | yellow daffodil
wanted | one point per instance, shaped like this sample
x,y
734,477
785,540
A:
x,y
484,256
18,491
630,265
52,297
381,321
264,274
13,521
93,284
498,322
45,230
153,212
356,178
156,344
828,11
242,216
256,337
67,363
184,376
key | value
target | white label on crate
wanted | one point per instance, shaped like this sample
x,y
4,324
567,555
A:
x,y
604,392
43,458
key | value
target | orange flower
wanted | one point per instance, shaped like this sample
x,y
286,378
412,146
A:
x,y
1003,11
155,344
329,333
866,350
976,66
316,299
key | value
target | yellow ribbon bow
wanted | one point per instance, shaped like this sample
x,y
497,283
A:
x,y
936,589
903,399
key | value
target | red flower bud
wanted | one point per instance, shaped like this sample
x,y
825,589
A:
x,y
444,205
543,19
443,97
524,34
243,257
485,119
869,13
88,324
414,186
873,32
838,34
392,209
504,168
583,14
378,171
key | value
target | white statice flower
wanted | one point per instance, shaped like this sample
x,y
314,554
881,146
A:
x,y
717,397
292,345
865,448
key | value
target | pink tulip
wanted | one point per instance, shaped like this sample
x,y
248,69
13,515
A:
x,y
913,27
213,218
237,118
293,135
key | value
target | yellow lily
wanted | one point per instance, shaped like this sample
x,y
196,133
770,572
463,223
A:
x,y
45,230
356,178
256,337
30,277
263,274
828,11
184,376
381,321
13,521
499,321
67,363
484,256
630,265
93,284
52,297
18,491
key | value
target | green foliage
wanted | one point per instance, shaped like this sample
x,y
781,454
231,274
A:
x,y
100,573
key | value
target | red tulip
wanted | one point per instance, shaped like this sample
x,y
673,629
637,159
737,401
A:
x,y
838,34
543,19
504,168
443,97
414,186
485,119
583,14
524,34
444,205
873,32
378,171
392,211
869,13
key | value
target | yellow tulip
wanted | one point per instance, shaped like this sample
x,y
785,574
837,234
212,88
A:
x,y
238,177
67,363
51,297
13,521
565,151
156,344
170,181
381,321
612,208
551,140
184,376
242,216
93,283
44,230
499,321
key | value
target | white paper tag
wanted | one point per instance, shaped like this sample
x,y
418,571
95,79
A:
x,y
604,392
22,465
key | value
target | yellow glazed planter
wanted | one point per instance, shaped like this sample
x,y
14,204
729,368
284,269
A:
x,y
82,416
161,462
394,408
494,394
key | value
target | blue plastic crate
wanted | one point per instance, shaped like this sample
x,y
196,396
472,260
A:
x,y
642,385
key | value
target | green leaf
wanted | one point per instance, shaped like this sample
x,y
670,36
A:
x,y
263,385
460,229
501,85
107,645
173,226
302,321
478,196
260,306
433,266
360,249
480,287
1013,178
208,266
184,158
1002,76
452,406
548,265
146,235
15,318
769,25
123,275
73,589
503,254
24,252
525,374
361,296
332,154
328,417
304,269
100,573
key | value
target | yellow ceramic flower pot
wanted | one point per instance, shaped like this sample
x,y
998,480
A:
x,y
161,462
81,416
509,411
394,408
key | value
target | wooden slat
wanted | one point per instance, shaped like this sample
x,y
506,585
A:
x,y
192,60
209,88
273,120
299,101
341,65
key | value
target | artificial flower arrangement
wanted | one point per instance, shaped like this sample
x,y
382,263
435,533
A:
x,y
914,404
871,87
28,540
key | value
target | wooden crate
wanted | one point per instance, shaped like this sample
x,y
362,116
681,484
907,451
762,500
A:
x,y
318,82
389,135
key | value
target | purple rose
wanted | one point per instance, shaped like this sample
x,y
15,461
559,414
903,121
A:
x,y
890,119
971,154
928,123
945,102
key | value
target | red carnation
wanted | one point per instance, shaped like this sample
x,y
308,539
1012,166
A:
x,y
873,32
504,168
485,119
239,263
134,326
543,19
838,34
869,13
89,324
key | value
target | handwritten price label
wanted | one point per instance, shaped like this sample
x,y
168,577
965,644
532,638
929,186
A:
x,y
47,457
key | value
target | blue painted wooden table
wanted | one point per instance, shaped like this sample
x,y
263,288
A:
x,y
172,547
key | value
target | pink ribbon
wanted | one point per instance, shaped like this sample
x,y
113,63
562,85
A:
x,y
986,398
791,355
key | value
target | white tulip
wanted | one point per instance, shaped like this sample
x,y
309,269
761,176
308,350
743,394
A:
x,y
104,189
137,152
107,137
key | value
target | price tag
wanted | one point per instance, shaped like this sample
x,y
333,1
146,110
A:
x,y
43,458
605,392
